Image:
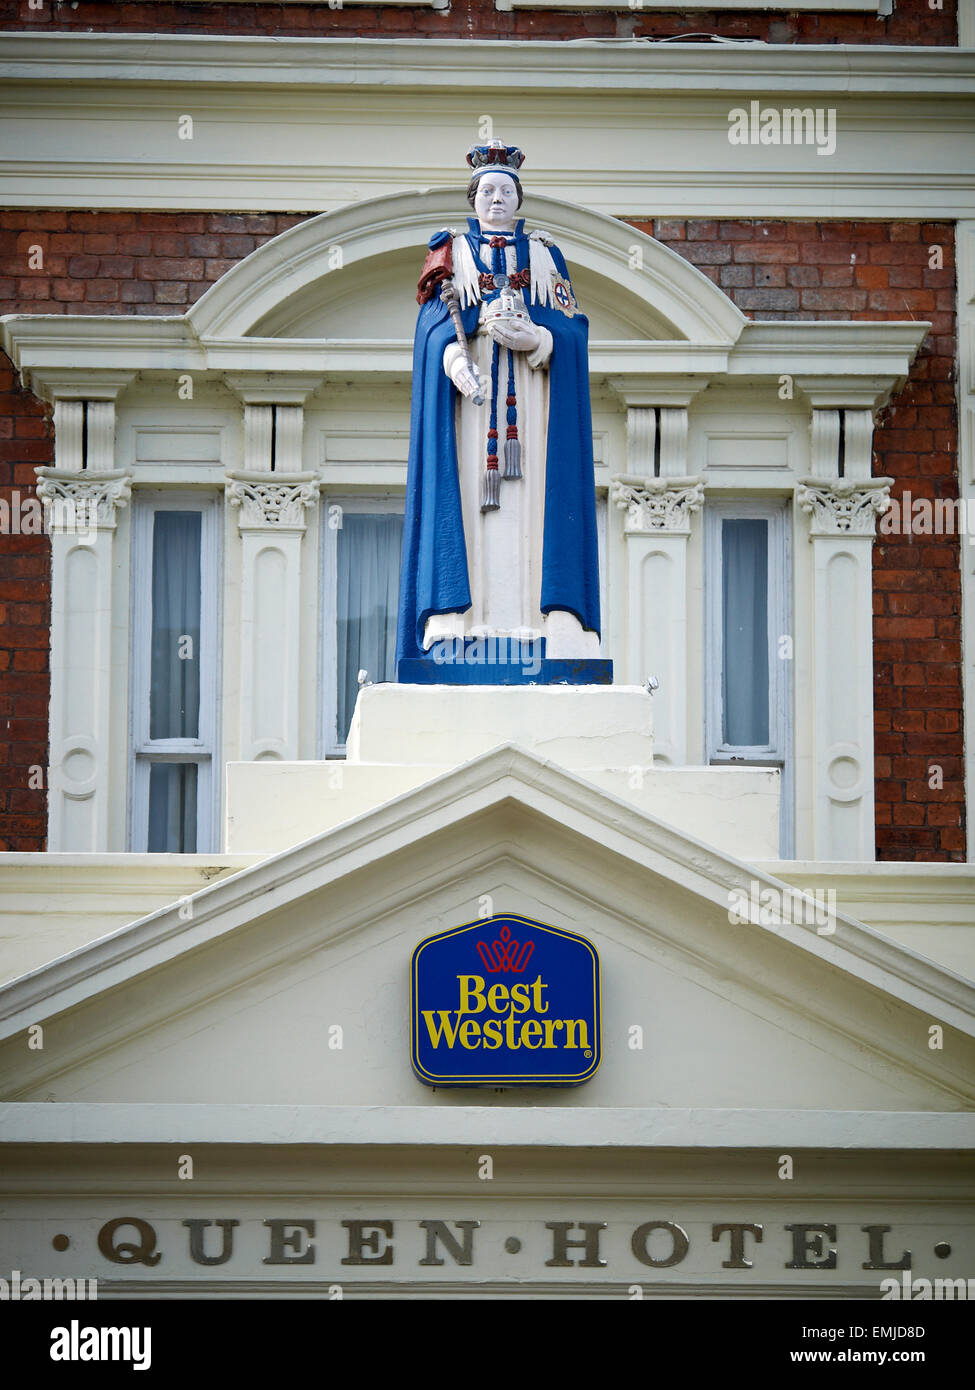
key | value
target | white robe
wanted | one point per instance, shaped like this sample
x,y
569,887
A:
x,y
504,547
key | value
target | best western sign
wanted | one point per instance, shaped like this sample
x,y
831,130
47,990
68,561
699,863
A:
x,y
505,1002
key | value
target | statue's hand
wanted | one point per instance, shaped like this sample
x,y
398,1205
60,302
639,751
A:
x,y
464,376
518,334
466,380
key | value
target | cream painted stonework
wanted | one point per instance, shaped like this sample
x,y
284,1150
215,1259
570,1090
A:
x,y
602,733
257,975
209,1028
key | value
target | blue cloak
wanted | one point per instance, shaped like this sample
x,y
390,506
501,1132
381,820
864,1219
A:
x,y
434,576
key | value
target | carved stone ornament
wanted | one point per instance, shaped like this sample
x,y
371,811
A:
x,y
272,504
81,501
657,504
844,507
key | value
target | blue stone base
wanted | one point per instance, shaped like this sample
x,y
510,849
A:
x,y
498,661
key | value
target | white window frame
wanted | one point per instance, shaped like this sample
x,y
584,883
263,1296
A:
x,y
779,751
143,750
377,504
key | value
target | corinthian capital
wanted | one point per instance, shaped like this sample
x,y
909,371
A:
x,y
657,504
82,500
844,506
269,504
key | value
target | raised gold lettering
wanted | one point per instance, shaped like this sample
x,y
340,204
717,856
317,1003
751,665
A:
x,y
520,998
529,1030
537,988
469,1029
470,988
497,998
444,1031
574,1026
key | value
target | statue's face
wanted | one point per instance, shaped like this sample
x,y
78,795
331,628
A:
x,y
496,201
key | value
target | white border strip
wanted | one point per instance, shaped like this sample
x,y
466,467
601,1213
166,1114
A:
x,y
548,1126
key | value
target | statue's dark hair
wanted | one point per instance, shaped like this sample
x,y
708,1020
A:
x,y
472,187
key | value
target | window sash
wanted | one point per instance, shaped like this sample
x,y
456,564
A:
x,y
778,623
746,694
146,751
777,751
174,684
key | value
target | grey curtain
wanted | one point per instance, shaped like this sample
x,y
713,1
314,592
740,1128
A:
x,y
745,675
172,808
368,560
174,692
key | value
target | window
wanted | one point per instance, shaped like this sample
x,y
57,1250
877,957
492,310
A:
x,y
748,635
174,668
361,563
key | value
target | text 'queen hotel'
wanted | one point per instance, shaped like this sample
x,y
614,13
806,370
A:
x,y
218,1050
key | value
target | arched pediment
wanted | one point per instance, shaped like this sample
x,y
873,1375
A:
x,y
349,274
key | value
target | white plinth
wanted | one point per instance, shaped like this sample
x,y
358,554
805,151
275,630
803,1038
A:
x,y
403,736
576,726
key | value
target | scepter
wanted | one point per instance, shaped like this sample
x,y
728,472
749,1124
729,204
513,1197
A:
x,y
449,296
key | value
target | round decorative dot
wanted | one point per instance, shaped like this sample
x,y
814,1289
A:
x,y
60,1242
512,1245
942,1249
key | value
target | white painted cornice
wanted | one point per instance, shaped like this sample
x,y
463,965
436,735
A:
x,y
832,348
499,781
273,388
324,1126
635,129
637,65
60,354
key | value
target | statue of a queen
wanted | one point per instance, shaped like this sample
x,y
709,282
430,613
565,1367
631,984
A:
x,y
500,527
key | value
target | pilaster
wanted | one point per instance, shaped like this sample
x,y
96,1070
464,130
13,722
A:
x,y
81,495
658,499
80,509
656,530
843,514
272,496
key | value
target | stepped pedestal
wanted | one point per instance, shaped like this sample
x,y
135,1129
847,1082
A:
x,y
404,735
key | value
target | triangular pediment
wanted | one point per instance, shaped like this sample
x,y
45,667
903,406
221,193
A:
x,y
235,995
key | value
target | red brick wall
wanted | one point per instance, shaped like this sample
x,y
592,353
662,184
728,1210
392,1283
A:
x,y
157,263
912,22
26,440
